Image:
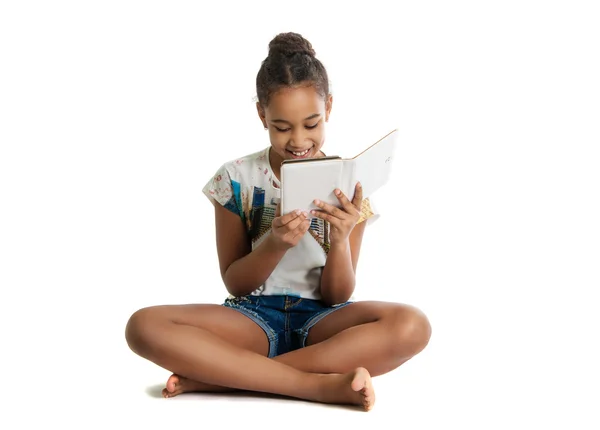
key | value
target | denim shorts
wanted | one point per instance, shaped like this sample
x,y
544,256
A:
x,y
286,320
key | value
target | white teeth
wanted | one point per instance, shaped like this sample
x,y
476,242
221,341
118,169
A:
x,y
300,154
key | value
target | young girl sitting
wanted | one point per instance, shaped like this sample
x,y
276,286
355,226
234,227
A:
x,y
289,326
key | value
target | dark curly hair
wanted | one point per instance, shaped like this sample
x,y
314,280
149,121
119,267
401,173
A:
x,y
291,62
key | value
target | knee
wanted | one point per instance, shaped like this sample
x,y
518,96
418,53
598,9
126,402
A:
x,y
139,328
410,330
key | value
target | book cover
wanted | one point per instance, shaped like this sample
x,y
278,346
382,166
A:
x,y
303,181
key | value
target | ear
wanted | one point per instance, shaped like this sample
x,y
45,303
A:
x,y
261,114
328,104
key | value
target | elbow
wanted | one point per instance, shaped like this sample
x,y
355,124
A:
x,y
235,292
232,287
332,298
235,286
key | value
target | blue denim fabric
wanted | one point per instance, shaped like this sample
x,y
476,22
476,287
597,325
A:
x,y
286,320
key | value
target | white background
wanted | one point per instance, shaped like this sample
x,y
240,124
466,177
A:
x,y
114,114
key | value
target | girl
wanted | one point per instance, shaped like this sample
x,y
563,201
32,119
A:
x,y
289,326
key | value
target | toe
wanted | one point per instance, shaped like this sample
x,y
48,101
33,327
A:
x,y
172,383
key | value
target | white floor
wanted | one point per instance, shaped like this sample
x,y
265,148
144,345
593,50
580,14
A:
x,y
61,375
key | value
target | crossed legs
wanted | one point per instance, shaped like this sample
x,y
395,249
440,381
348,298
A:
x,y
214,348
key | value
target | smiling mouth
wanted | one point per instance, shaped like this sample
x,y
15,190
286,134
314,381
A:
x,y
299,154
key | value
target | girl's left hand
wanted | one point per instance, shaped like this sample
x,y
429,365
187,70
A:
x,y
342,220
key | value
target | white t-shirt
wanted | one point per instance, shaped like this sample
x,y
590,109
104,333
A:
x,y
248,187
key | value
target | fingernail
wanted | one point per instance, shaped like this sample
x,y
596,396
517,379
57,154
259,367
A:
x,y
317,201
305,214
338,192
359,185
298,211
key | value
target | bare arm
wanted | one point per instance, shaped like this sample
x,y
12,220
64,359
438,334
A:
x,y
242,269
338,279
346,233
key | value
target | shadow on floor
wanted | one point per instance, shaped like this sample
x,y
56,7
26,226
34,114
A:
x,y
155,391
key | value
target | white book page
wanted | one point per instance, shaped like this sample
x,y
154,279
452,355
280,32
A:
x,y
373,166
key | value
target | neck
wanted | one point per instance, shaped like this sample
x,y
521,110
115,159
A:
x,y
275,161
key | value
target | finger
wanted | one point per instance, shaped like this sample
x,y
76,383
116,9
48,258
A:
x,y
278,210
293,224
358,196
301,229
331,209
334,221
348,206
287,218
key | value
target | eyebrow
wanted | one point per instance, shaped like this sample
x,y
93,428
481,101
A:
x,y
314,115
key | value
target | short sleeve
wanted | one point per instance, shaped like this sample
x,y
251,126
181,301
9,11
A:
x,y
368,212
224,190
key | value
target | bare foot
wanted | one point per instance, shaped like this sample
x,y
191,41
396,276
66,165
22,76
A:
x,y
354,388
178,384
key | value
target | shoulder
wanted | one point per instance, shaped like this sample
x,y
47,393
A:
x,y
368,211
242,167
228,185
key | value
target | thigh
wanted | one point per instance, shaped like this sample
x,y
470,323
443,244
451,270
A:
x,y
354,314
228,324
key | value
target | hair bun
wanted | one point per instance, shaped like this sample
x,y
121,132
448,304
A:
x,y
288,44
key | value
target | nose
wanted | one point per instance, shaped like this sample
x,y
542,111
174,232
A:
x,y
297,138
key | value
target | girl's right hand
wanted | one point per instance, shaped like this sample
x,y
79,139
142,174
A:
x,y
287,230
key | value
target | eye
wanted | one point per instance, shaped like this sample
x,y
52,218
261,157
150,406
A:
x,y
282,129
310,127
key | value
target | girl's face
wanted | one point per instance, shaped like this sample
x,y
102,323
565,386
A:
x,y
295,118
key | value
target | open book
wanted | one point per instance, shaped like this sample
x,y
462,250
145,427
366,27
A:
x,y
303,181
